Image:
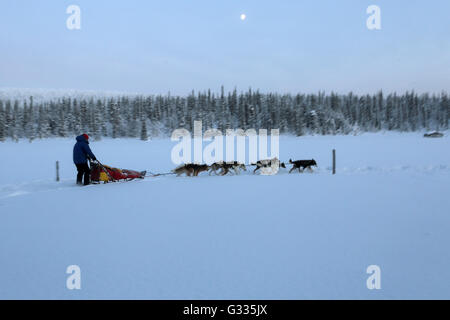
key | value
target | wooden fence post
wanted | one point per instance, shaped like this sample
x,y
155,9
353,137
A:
x,y
57,170
334,161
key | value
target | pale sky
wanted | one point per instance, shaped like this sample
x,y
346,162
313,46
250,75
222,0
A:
x,y
179,45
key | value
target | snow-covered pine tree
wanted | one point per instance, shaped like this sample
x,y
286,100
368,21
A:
x,y
22,130
76,115
84,116
7,115
95,121
29,122
300,118
16,122
63,118
61,130
144,134
444,110
2,123
114,118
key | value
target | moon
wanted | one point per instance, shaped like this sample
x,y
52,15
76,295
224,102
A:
x,y
243,16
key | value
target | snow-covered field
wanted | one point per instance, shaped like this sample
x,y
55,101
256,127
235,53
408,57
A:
x,y
297,236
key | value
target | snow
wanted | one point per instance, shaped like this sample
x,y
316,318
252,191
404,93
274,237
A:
x,y
289,236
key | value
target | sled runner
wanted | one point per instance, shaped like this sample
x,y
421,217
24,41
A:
x,y
101,172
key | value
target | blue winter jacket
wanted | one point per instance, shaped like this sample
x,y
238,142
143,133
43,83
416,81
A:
x,y
81,151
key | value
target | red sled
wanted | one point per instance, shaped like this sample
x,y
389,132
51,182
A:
x,y
101,172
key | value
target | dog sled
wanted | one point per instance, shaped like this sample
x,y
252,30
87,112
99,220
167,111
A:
x,y
105,174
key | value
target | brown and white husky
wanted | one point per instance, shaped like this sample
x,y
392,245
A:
x,y
190,169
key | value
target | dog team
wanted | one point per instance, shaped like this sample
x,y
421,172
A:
x,y
192,169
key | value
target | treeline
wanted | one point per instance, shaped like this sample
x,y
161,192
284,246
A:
x,y
157,116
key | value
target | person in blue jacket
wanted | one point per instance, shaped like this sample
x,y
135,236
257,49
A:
x,y
81,154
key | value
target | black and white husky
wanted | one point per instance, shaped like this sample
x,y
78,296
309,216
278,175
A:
x,y
273,164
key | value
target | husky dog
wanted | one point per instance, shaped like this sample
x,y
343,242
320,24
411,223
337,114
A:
x,y
184,168
200,168
301,165
214,167
190,169
226,166
268,163
237,166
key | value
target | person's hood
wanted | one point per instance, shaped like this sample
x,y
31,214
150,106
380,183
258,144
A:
x,y
82,139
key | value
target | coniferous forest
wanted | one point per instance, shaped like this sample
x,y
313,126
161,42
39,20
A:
x,y
145,117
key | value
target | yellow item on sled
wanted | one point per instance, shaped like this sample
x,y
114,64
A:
x,y
104,177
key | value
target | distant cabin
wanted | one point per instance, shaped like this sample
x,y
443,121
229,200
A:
x,y
434,134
